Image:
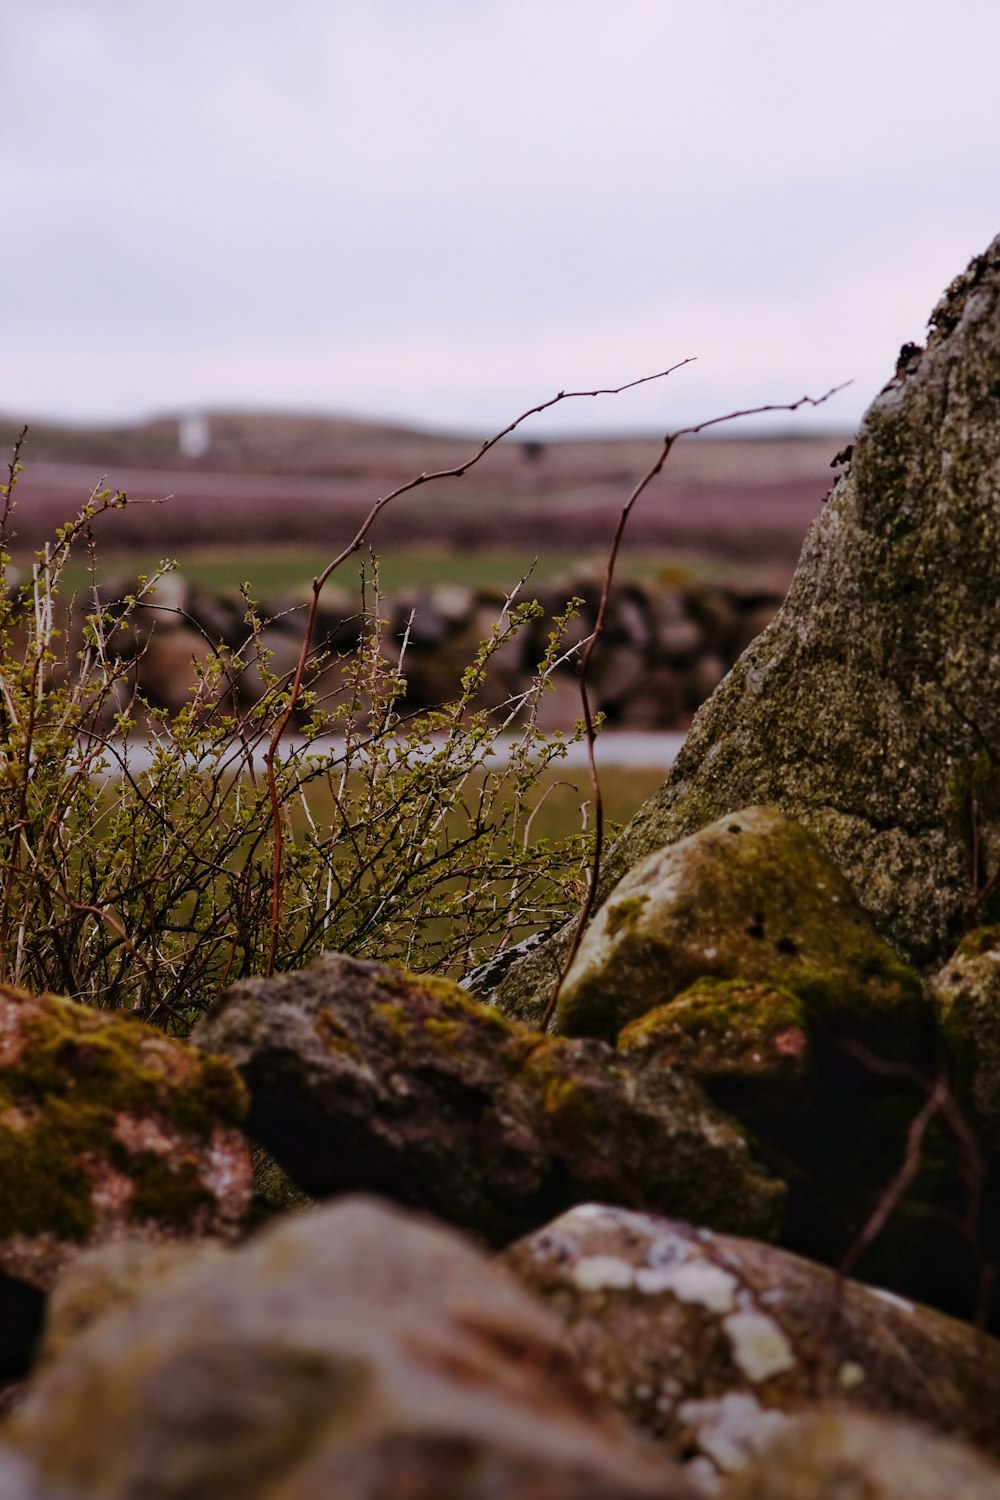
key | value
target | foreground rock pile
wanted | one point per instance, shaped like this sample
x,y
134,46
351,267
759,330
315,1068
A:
x,y
339,1353
359,1350
729,1229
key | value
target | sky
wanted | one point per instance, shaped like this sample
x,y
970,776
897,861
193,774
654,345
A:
x,y
441,212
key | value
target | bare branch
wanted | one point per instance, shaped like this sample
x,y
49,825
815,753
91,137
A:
x,y
591,644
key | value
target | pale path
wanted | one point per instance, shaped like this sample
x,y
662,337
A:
x,y
640,750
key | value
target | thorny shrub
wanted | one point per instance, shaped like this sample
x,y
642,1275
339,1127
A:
x,y
137,847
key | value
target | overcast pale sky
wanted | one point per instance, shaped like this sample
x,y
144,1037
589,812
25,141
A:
x,y
441,211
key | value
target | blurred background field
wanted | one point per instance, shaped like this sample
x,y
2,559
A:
x,y
270,305
221,485
261,502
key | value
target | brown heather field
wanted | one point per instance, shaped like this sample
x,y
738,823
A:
x,y
303,484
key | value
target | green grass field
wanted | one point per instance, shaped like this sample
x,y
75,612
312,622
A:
x,y
563,799
559,805
274,570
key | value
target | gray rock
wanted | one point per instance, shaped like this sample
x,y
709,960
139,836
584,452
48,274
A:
x,y
106,1278
171,671
661,702
708,1342
703,679
364,1077
966,997
844,1456
619,673
867,709
681,641
348,1351
751,623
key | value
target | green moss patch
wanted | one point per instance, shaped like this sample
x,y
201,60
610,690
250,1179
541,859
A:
x,y
747,1043
71,1076
753,897
623,913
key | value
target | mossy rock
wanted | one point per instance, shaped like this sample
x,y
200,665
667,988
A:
x,y
746,1043
750,966
365,1078
109,1127
751,897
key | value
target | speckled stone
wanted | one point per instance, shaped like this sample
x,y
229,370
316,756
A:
x,y
836,1455
709,1342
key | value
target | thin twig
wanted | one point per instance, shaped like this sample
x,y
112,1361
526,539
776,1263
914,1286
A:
x,y
9,501
972,1165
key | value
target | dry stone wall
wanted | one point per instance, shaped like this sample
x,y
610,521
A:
x,y
665,646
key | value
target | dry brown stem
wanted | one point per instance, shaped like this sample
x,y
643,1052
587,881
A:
x,y
595,636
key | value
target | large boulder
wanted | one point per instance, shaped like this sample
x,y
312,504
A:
x,y
364,1077
710,1342
868,710
350,1351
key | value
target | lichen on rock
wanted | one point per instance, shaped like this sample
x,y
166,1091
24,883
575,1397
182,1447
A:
x,y
838,1455
710,1343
